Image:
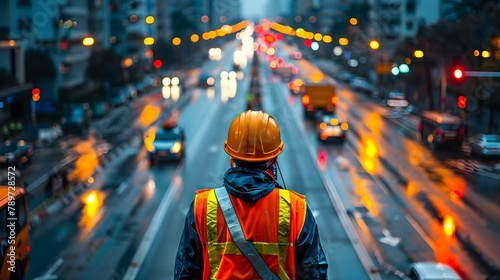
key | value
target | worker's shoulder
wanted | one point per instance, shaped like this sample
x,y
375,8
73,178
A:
x,y
203,192
296,195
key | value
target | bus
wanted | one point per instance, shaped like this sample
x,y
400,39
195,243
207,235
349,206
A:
x,y
14,233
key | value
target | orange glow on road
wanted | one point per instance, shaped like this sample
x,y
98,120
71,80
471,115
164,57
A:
x,y
449,227
85,164
374,123
93,202
149,138
411,189
369,153
148,115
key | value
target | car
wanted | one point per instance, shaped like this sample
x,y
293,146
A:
x,y
296,55
431,271
76,116
396,99
485,145
441,130
165,142
344,76
206,80
15,153
361,84
331,127
119,96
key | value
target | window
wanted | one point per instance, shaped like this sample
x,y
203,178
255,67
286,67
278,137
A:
x,y
413,275
23,3
24,25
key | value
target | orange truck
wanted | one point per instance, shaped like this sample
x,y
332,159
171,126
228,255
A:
x,y
319,98
14,231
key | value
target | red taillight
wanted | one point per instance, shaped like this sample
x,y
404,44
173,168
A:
x,y
439,131
322,159
305,99
461,132
335,100
419,126
28,248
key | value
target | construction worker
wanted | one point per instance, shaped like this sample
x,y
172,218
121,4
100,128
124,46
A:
x,y
251,227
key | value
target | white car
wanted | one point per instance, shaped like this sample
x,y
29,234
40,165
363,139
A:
x,y
431,271
485,145
397,99
361,84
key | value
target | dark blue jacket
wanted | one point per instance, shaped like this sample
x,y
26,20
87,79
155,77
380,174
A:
x,y
251,185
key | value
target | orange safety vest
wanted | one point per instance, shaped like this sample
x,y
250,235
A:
x,y
273,225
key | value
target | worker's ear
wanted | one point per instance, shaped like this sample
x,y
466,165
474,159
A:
x,y
231,162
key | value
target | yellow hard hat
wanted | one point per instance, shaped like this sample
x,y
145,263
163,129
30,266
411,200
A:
x,y
253,136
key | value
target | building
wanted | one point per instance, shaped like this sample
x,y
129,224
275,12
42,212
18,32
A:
x,y
398,19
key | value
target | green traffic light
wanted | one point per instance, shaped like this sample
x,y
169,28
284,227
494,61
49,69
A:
x,y
404,68
395,70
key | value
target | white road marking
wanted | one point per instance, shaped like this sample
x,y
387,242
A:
x,y
122,187
152,231
50,272
388,239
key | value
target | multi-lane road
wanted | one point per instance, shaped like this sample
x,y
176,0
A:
x,y
379,199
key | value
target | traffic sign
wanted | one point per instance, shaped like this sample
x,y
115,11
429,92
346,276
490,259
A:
x,y
383,68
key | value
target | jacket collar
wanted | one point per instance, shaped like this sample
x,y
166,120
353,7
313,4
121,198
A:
x,y
249,184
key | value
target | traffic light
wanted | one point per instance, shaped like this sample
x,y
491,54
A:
x,y
157,63
462,102
35,94
457,72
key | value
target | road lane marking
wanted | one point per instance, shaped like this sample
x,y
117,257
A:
x,y
154,227
335,199
49,274
421,232
122,187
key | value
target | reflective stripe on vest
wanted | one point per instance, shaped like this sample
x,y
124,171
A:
x,y
216,250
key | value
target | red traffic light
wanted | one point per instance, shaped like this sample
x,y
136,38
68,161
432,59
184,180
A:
x,y
35,94
157,63
462,102
458,73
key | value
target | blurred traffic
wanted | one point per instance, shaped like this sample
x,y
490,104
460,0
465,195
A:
x,y
110,144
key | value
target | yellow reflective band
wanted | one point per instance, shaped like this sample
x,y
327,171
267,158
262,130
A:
x,y
284,231
214,253
230,248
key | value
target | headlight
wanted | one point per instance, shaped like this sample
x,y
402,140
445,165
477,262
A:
x,y
176,148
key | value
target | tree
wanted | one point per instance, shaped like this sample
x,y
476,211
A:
x,y
38,66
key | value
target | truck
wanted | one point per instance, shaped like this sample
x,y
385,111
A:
x,y
319,98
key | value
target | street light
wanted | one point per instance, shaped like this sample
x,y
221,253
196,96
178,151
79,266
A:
x,y
88,41
374,44
150,19
148,41
418,54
